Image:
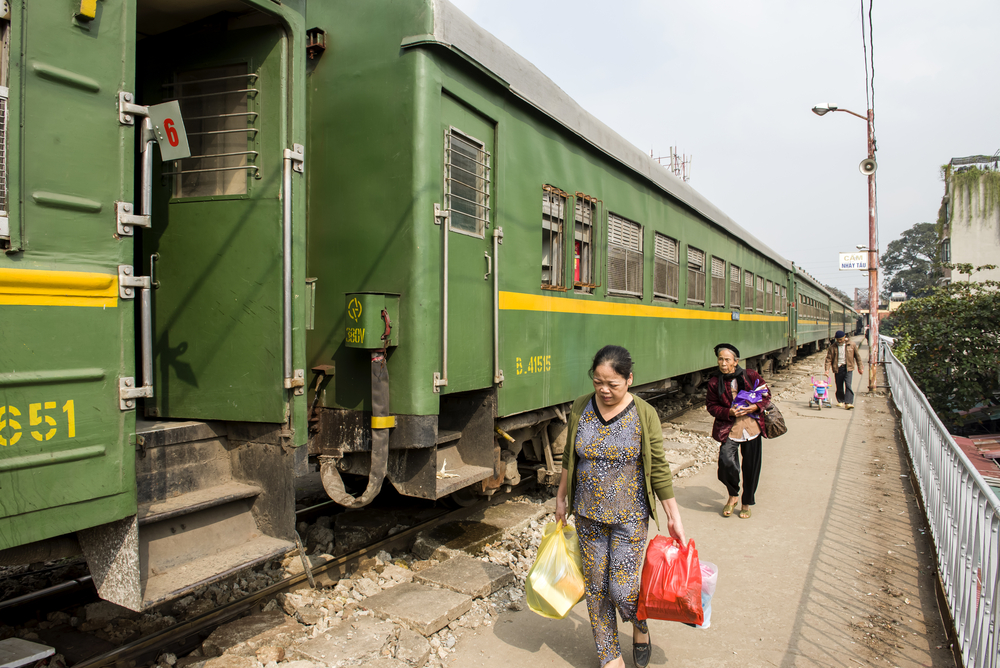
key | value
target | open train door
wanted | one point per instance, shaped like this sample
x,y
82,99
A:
x,y
66,458
218,312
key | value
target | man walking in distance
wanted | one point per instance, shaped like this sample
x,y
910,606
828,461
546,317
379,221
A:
x,y
843,358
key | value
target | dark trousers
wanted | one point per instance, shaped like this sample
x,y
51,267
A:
x,y
729,467
845,395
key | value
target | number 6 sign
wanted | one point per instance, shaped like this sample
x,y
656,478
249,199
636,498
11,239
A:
x,y
169,128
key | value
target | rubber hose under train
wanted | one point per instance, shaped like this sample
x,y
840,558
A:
x,y
332,481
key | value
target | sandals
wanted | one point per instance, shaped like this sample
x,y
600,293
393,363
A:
x,y
641,652
745,514
727,510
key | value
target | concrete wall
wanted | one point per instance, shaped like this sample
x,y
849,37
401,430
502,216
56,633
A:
x,y
975,239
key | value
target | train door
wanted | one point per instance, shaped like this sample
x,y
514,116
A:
x,y
468,176
66,336
216,242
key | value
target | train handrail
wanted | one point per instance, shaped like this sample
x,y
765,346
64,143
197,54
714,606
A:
x,y
963,514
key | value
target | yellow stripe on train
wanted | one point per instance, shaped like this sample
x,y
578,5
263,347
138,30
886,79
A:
x,y
518,301
31,287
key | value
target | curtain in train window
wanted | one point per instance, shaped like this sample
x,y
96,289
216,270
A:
x,y
769,297
553,238
718,282
734,287
624,256
219,107
760,294
467,183
666,269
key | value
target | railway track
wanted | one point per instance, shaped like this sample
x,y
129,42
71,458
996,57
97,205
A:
x,y
185,636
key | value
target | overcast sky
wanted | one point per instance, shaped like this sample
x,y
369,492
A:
x,y
732,83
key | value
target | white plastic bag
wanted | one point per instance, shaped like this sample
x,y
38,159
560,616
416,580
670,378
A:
x,y
709,578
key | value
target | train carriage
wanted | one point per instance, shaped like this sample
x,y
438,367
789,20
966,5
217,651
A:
x,y
392,253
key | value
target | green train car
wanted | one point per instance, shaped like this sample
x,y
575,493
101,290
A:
x,y
391,254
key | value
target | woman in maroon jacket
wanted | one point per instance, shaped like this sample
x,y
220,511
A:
x,y
737,427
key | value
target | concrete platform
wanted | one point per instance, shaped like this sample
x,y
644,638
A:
x,y
245,636
17,652
424,609
468,576
347,643
469,536
834,568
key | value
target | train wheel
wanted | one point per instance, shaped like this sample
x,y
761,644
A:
x,y
464,497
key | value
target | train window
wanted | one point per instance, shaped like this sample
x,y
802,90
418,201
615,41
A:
x,y
778,306
784,300
747,291
734,287
760,294
217,107
696,276
769,297
666,268
624,256
583,243
467,183
718,282
553,238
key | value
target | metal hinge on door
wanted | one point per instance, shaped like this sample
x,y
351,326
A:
x,y
128,283
127,220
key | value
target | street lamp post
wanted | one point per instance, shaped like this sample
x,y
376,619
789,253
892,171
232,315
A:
x,y
867,167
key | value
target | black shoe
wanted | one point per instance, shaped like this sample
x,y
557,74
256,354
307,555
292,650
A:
x,y
641,652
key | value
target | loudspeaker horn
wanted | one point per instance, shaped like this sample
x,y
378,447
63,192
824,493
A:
x,y
868,166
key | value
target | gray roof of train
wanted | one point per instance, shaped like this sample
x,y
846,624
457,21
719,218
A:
x,y
455,30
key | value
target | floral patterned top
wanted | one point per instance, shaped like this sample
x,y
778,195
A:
x,y
609,477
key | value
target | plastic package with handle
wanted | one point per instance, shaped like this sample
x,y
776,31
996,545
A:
x,y
671,582
555,582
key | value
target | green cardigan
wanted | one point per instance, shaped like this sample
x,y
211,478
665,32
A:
x,y
654,464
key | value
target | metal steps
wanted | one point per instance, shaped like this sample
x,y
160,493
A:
x,y
207,507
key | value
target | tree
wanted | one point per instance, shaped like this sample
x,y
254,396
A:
x,y
840,293
910,263
950,344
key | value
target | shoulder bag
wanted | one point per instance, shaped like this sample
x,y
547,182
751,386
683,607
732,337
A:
x,y
774,421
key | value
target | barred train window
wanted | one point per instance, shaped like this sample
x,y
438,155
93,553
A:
x,y
768,297
696,276
218,108
624,256
553,229
747,291
734,287
666,268
467,183
583,243
760,294
718,282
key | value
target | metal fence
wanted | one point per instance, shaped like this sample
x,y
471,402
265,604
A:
x,y
963,515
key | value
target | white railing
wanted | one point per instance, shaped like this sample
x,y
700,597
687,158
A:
x,y
963,515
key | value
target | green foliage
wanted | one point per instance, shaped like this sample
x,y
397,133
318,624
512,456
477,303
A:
x,y
841,294
910,263
967,182
950,344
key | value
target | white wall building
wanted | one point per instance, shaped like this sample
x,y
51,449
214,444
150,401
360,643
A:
x,y
970,216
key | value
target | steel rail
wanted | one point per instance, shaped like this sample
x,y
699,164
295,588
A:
x,y
176,635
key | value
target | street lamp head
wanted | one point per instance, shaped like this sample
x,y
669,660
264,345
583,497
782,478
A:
x,y
824,107
861,247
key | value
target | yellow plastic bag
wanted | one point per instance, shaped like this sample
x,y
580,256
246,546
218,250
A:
x,y
555,581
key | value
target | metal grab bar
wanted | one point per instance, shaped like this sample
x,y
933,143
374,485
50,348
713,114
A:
x,y
441,379
497,240
221,132
218,94
294,159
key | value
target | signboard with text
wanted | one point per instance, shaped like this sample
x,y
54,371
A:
x,y
854,261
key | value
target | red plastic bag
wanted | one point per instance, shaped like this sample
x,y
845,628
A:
x,y
671,582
